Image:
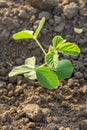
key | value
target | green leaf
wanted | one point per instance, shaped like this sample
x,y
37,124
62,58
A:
x,y
57,40
51,48
51,59
47,77
29,69
19,70
39,27
30,62
23,35
31,75
64,69
69,48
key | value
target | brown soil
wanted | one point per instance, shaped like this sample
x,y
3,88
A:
x,y
24,104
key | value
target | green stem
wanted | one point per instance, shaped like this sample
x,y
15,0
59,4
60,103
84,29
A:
x,y
40,46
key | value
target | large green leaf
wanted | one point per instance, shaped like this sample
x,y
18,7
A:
x,y
19,70
51,59
30,62
57,40
31,75
69,48
64,69
39,27
29,69
47,77
23,35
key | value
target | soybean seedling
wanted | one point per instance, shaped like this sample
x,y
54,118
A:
x,y
53,70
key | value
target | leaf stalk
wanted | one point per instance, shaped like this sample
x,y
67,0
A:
x,y
38,43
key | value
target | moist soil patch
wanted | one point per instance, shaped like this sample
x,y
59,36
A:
x,y
25,104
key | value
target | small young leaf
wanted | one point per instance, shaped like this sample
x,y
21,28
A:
x,y
64,69
51,59
23,35
19,70
39,27
57,40
51,48
30,62
69,49
47,77
31,75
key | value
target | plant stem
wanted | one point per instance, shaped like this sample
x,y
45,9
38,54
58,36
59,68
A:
x,y
40,46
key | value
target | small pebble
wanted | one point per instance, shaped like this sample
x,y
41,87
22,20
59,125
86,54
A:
x,y
3,72
2,84
3,4
13,79
44,14
83,125
34,10
43,4
31,125
78,75
61,128
52,126
70,82
84,51
59,28
23,14
57,19
10,86
51,22
5,117
19,61
18,90
70,10
10,94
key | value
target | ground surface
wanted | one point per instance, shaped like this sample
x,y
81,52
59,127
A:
x,y
24,104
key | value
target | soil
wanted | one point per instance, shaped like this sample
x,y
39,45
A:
x,y
24,104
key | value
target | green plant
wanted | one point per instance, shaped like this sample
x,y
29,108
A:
x,y
53,70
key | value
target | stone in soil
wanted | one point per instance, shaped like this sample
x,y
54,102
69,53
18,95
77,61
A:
x,y
23,14
10,94
2,84
3,4
10,86
70,82
12,79
83,125
6,118
31,125
8,21
59,28
3,71
61,128
19,61
33,112
52,126
57,19
78,75
4,34
83,111
18,90
34,10
84,51
45,14
43,4
70,10
85,75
